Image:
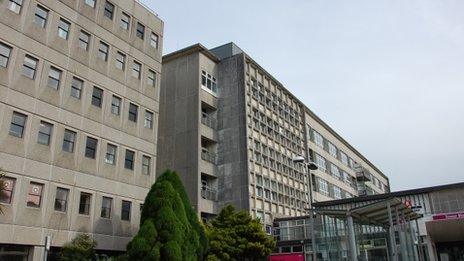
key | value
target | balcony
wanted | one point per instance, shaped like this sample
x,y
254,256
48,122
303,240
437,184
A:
x,y
209,193
208,120
208,156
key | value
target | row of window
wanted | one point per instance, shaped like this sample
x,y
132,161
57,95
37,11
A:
x,y
323,143
336,193
328,167
35,195
44,136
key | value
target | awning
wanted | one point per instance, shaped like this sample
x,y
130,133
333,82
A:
x,y
446,230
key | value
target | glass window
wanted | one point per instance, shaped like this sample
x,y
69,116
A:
x,y
30,66
61,199
97,97
45,133
154,38
84,40
120,61
320,161
69,140
41,16
151,78
335,171
54,78
103,51
90,3
209,82
5,52
337,192
34,196
133,111
18,123
76,87
91,147
140,33
116,105
106,207
109,10
148,120
136,70
84,203
332,150
63,29
343,158
129,160
126,210
15,6
110,157
318,139
323,187
8,187
146,162
125,21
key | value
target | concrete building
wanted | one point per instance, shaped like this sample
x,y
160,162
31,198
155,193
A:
x,y
79,92
232,131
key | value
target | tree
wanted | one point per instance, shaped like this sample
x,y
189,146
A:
x,y
81,248
2,187
170,228
237,236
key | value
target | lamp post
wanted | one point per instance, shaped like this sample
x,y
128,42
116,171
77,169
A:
x,y
310,166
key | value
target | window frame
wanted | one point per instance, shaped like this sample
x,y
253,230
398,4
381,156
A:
x,y
5,56
151,78
140,31
146,165
136,70
16,6
85,207
148,122
97,97
120,61
84,43
108,208
30,194
8,190
90,3
69,142
91,147
53,79
108,10
123,23
116,106
133,115
63,32
76,89
129,162
39,18
154,40
14,123
63,202
29,67
42,133
108,159
126,213
103,51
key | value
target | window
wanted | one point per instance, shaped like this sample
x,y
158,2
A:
x,y
61,199
34,196
110,157
18,123
109,10
335,171
140,33
84,203
343,158
69,139
54,78
63,29
45,133
129,160
29,66
5,52
116,105
133,111
15,6
318,139
126,210
154,38
106,207
91,147
120,61
332,150
41,16
136,69
8,187
146,165
209,82
125,21
337,192
320,161
148,120
90,3
84,40
97,97
151,78
76,87
103,51
323,187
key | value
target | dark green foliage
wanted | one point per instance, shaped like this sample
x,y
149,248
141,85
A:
x,y
2,187
170,229
81,248
237,236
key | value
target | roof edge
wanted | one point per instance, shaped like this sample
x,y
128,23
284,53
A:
x,y
189,50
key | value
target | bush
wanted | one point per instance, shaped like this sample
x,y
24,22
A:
x,y
81,248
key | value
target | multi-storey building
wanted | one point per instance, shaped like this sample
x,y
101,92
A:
x,y
232,131
79,91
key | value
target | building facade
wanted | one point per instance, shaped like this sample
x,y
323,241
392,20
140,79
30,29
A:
x,y
79,92
232,130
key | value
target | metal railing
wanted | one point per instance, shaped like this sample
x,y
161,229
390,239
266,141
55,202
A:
x,y
209,193
208,120
208,156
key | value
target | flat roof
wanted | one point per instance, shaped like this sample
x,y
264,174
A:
x,y
189,50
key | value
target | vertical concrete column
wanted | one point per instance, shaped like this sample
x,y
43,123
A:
x,y
313,236
352,238
403,248
393,249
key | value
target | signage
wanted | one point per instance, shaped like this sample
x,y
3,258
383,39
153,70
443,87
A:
x,y
449,216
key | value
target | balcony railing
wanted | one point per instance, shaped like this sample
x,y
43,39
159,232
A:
x,y
208,120
209,193
208,156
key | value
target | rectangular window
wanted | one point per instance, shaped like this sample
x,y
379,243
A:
x,y
106,207
133,111
90,3
332,150
18,123
136,70
91,147
146,162
320,161
103,51
97,97
318,139
148,120
140,33
109,10
125,21
63,29
116,105
323,187
343,158
126,210
84,203
335,171
151,78
45,133
209,82
120,61
337,192
61,199
76,87
8,187
34,196
5,52
154,38
15,6
69,140
54,78
30,66
84,40
129,160
41,16
110,157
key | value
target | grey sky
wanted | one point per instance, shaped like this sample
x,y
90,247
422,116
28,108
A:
x,y
387,75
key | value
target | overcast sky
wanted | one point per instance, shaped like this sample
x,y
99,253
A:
x,y
387,75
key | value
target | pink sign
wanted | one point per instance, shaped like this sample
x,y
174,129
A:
x,y
287,257
447,216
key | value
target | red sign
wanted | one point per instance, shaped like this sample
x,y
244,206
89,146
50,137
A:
x,y
448,216
407,203
287,257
